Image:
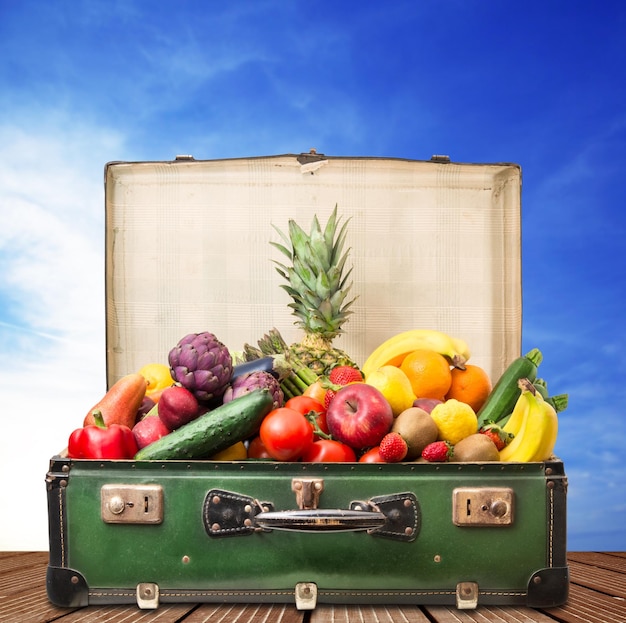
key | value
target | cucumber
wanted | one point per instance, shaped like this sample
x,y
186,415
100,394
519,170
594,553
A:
x,y
214,431
505,392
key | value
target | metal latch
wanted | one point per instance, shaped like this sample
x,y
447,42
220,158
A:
x,y
482,506
308,491
467,595
148,596
131,504
306,595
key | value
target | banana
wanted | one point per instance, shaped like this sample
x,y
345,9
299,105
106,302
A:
x,y
544,452
396,348
462,348
536,436
516,419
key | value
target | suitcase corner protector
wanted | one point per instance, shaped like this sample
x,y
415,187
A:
x,y
66,587
548,587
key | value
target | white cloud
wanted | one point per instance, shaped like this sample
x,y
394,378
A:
x,y
52,345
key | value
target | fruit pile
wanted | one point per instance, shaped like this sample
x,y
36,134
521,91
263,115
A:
x,y
415,398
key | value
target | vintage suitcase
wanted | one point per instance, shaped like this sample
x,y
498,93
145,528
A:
x,y
434,244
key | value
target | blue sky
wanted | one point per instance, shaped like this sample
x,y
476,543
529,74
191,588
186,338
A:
x,y
540,84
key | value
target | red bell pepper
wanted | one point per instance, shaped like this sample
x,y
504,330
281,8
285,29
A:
x,y
98,441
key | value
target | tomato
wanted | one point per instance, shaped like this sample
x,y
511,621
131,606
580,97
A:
x,y
323,425
372,456
256,449
316,390
328,450
286,434
307,405
304,404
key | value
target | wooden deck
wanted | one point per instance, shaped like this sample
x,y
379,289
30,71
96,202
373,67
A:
x,y
597,595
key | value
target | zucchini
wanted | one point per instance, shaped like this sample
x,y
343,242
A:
x,y
506,391
214,431
558,402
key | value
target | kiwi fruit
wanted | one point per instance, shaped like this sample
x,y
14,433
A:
x,y
476,447
417,428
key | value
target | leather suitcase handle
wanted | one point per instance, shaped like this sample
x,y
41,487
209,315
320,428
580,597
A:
x,y
396,516
320,520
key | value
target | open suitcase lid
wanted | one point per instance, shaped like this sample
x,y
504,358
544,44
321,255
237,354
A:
x,y
434,244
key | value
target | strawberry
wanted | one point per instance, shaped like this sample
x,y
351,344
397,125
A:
x,y
338,377
330,394
342,375
392,448
438,452
499,437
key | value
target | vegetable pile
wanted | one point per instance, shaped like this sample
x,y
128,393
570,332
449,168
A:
x,y
415,398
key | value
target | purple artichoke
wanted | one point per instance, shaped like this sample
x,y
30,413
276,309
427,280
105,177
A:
x,y
251,381
202,364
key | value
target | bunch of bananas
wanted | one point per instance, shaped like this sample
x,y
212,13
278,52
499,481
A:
x,y
395,349
534,424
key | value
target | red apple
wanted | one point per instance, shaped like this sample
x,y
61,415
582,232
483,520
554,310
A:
x,y
428,404
148,430
359,416
177,406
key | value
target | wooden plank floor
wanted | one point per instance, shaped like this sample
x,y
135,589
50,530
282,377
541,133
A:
x,y
597,595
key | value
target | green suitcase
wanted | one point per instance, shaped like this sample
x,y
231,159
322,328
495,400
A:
x,y
412,533
436,244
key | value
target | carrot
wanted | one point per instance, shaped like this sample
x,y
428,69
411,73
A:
x,y
121,402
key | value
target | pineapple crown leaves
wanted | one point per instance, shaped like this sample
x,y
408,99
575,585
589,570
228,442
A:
x,y
315,281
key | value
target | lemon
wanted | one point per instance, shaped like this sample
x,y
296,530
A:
x,y
158,377
395,386
455,420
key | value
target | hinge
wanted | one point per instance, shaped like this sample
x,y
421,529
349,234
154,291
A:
x,y
310,156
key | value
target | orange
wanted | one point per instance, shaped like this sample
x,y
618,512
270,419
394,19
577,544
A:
x,y
471,386
428,372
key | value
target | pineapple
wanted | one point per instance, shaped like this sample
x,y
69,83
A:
x,y
315,283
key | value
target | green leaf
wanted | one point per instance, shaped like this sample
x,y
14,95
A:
x,y
331,228
282,249
322,285
298,238
326,310
283,236
304,272
319,247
